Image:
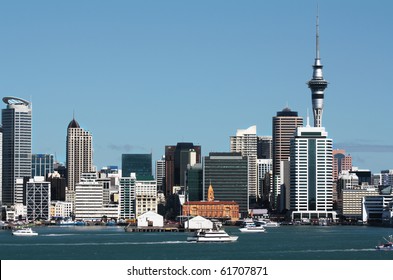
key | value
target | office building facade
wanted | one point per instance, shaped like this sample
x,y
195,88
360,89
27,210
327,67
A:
x,y
160,174
311,179
245,142
194,190
127,197
265,147
79,156
341,162
177,159
38,199
89,200
228,172
17,135
285,124
42,165
145,197
140,164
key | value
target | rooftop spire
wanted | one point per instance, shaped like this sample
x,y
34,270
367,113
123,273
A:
x,y
317,35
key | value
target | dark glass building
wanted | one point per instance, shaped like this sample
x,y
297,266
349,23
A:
x,y
264,147
195,182
228,173
141,164
177,159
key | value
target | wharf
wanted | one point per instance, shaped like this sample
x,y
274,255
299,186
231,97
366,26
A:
x,y
152,229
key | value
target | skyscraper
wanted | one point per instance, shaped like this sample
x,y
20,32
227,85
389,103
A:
x,y
140,164
160,174
177,159
228,172
127,197
245,142
311,168
1,170
341,162
284,127
79,156
17,131
317,85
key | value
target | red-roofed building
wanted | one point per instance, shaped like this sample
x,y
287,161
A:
x,y
212,209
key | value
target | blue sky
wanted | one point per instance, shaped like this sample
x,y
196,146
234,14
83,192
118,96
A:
x,y
144,74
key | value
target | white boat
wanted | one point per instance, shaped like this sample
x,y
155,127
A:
x,y
250,226
24,232
212,235
267,223
66,222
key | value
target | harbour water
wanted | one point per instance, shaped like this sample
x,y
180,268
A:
x,y
113,243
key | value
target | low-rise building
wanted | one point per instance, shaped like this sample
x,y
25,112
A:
x,y
352,198
150,219
89,200
223,210
198,222
373,208
61,209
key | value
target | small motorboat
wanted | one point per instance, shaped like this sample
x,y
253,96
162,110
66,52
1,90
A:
x,y
387,245
24,232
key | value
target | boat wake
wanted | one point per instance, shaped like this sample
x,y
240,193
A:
x,y
97,243
330,251
59,234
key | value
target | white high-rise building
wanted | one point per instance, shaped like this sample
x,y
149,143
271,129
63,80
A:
x,y
160,173
245,142
145,197
127,197
311,169
17,130
89,200
79,156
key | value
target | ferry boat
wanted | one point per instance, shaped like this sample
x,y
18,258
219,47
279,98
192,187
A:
x,y
24,232
212,235
388,245
249,226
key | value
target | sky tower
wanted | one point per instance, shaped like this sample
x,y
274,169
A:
x,y
317,84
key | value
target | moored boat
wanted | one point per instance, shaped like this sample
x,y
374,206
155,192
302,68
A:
x,y
268,224
24,232
250,226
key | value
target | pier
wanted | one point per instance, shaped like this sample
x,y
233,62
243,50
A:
x,y
152,229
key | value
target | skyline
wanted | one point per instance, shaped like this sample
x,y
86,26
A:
x,y
236,64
